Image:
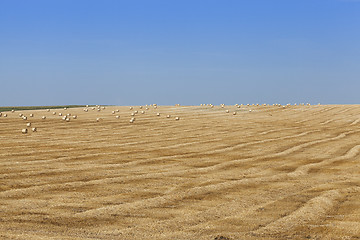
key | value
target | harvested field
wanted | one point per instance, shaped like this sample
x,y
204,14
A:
x,y
272,173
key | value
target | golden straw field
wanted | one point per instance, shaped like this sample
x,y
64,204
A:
x,y
273,173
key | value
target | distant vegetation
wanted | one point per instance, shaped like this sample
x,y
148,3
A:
x,y
4,109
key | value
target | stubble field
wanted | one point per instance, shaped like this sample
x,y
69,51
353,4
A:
x,y
273,173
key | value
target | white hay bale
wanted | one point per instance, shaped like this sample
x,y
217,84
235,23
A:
x,y
117,110
85,110
67,119
5,115
34,129
168,116
0,114
177,118
103,108
48,110
65,108
158,114
98,119
60,114
54,113
75,117
142,112
131,108
113,112
132,120
24,118
136,112
117,117
132,114
43,117
31,115
93,108
24,130
250,110
28,124
227,111
155,106
68,114
64,118
147,108
87,106
20,114
140,107
234,113
13,111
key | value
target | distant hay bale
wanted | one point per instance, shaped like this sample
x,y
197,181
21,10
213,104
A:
x,y
85,110
48,110
147,108
117,117
64,118
98,119
117,110
60,114
75,117
113,112
5,115
67,119
34,129
234,113
131,108
87,106
132,120
93,108
158,114
24,130
136,112
28,124
65,108
54,113
13,111
24,118
20,114
132,114
31,115
177,118
0,114
227,111
168,116
103,108
43,117
142,112
250,110
141,107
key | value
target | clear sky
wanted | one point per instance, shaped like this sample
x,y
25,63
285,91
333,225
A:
x,y
135,52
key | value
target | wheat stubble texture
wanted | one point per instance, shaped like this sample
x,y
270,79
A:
x,y
273,173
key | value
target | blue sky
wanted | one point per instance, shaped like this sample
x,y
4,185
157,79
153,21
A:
x,y
179,51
